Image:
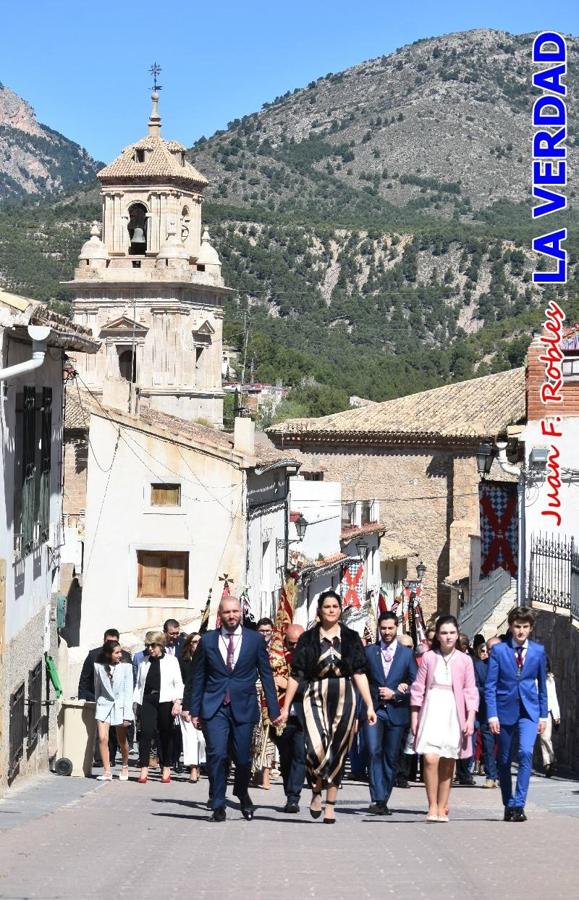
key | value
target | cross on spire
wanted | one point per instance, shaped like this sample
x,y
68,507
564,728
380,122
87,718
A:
x,y
155,71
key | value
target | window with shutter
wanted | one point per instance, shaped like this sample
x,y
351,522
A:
x,y
45,461
28,507
165,495
163,574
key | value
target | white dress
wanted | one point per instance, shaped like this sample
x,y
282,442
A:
x,y
193,744
439,729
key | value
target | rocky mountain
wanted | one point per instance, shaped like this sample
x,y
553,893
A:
x,y
375,225
36,161
440,127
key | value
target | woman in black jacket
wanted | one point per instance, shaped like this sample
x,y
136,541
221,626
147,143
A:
x,y
330,660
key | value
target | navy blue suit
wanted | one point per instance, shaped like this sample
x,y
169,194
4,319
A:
x,y
230,724
518,699
384,739
489,740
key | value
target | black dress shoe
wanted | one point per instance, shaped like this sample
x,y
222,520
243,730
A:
x,y
519,814
402,783
509,813
247,808
377,809
386,811
219,815
292,806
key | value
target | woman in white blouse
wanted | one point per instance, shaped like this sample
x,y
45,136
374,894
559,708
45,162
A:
x,y
553,719
158,692
113,687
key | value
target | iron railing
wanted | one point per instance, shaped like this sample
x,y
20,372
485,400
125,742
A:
x,y
16,731
481,605
554,572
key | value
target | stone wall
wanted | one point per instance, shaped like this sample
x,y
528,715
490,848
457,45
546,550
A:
x,y
418,502
561,641
22,655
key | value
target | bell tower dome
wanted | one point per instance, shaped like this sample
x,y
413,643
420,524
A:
x,y
149,286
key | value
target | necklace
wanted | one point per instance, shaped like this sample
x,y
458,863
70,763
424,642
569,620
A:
x,y
446,659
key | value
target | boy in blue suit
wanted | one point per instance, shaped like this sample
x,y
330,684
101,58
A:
x,y
391,669
227,664
516,698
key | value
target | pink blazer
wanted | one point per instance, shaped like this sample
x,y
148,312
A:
x,y
463,686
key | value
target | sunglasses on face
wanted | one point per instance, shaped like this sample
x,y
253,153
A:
x,y
148,646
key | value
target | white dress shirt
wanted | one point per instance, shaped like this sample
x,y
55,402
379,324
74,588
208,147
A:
x,y
224,643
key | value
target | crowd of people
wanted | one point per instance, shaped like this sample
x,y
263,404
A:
x,y
439,713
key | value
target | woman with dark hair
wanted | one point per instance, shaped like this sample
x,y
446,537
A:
x,y
443,702
193,740
159,692
113,687
328,661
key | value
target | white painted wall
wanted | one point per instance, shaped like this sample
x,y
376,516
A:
x,y
320,502
29,581
536,499
209,525
264,569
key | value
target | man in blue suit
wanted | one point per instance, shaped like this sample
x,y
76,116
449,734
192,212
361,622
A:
x,y
391,670
227,664
516,698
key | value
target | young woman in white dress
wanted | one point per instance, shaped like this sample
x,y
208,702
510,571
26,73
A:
x,y
113,688
443,702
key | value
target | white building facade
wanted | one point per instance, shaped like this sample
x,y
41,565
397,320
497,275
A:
x,y
31,525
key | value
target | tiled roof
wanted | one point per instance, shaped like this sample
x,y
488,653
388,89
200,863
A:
x,y
480,407
18,312
355,531
268,454
77,408
163,159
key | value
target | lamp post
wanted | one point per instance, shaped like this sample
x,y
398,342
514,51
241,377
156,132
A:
x,y
420,570
484,458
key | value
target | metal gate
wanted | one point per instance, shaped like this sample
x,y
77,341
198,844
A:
x,y
554,573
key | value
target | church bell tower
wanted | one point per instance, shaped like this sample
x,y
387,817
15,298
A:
x,y
148,283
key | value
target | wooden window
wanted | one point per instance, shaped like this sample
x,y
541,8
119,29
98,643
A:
x,y
163,574
165,495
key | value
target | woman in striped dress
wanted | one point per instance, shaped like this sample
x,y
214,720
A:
x,y
328,661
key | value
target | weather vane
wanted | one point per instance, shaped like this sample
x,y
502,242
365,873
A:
x,y
155,71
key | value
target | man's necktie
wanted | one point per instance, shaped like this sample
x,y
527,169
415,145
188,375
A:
x,y
519,652
229,663
387,657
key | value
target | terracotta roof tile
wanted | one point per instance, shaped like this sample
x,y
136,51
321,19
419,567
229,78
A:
x,y
480,407
356,531
162,160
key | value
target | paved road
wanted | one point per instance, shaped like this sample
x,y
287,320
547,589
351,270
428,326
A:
x,y
154,841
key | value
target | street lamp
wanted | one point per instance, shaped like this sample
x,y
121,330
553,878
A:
x,y
301,524
484,458
420,570
362,548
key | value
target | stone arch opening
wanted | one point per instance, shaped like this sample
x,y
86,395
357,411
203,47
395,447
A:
x,y
137,228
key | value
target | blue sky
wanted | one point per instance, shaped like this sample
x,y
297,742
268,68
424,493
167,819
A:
x,y
83,64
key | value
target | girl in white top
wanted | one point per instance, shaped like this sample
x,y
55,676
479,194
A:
x,y
113,687
554,717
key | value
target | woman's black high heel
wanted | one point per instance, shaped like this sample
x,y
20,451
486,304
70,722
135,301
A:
x,y
329,821
315,813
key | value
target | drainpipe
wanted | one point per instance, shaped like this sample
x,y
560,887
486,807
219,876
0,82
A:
x,y
39,335
518,472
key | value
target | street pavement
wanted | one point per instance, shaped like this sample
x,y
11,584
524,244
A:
x,y
77,839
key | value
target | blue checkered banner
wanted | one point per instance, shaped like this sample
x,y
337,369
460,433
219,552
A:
x,y
499,527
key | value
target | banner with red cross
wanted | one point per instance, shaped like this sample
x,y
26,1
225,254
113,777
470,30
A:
x,y
352,587
499,527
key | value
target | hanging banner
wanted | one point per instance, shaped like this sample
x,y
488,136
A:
x,y
499,527
352,587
